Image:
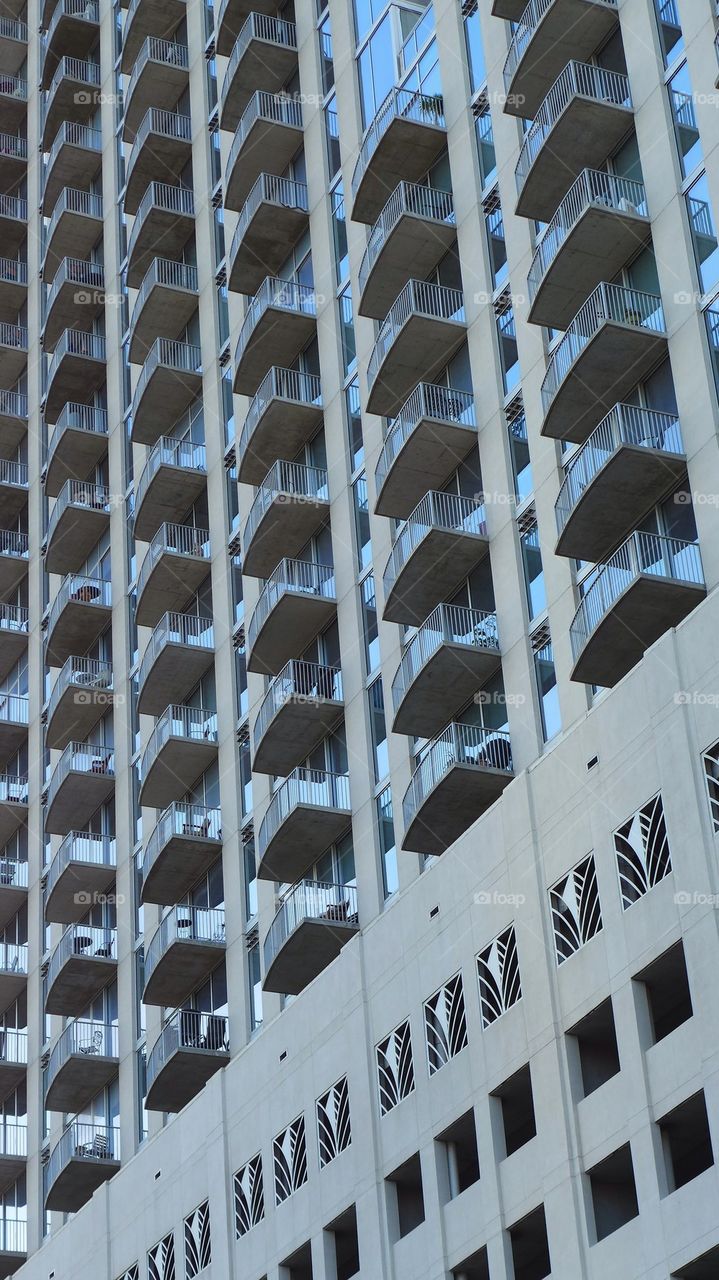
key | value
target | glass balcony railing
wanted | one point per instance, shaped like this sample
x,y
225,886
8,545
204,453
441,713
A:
x,y
313,787
400,104
447,624
415,199
427,401
458,744
418,298
310,900
299,681
291,577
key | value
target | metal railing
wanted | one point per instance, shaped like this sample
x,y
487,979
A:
x,y
90,941
173,539
181,819
13,1235
13,957
166,124
13,29
14,873
166,197
641,554
176,628
593,187
449,512
80,70
169,452
75,342
13,708
609,303
13,473
71,200
14,544
13,404
313,787
279,384
428,400
526,29
270,107
181,357
84,1142
417,298
75,271
579,79
87,10
78,493
13,335
310,900
14,619
293,577
81,757
463,744
76,588
13,87
628,424
13,1045
12,271
184,924
92,676
72,135
194,724
268,189
80,846
303,484
187,1029
13,1137
77,417
259,26
84,1038
13,147
417,199
285,295
153,49
299,681
167,274
400,104
13,207
447,624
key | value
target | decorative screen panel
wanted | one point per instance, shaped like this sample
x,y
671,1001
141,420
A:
x,y
198,1246
289,1153
445,1024
499,980
576,910
249,1196
395,1068
132,1273
711,773
161,1260
642,849
334,1132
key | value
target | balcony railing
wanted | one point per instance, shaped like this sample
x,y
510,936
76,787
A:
x,y
77,70
13,473
279,384
78,493
259,26
167,124
81,757
625,424
400,104
13,207
154,49
447,624
462,744
284,294
75,271
13,404
80,846
12,147
524,34
194,724
78,417
299,681
86,940
13,958
421,298
176,628
165,197
609,302
85,1038
85,1142
78,589
187,1029
13,1235
13,271
184,924
13,29
13,87
14,873
76,342
428,400
13,335
14,619
173,539
303,786
181,819
13,544
275,109
94,677
71,200
579,79
88,10
165,273
268,189
303,484
409,198
13,1138
310,900
13,1048
592,187
170,452
13,708
72,134
438,510
302,577
642,553
182,357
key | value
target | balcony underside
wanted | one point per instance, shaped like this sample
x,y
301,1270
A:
x,y
13,232
406,150
297,728
12,1075
286,527
13,294
269,147
606,371
595,249
586,133
11,1168
79,982
13,431
460,797
269,235
67,901
177,765
75,455
76,378
429,456
412,249
13,815
569,30
177,669
78,626
173,580
73,37
264,65
632,481
649,607
295,620
167,394
233,18
13,644
13,53
13,362
159,156
281,431
10,1262
443,686
159,84
77,531
77,1181
12,736
151,18
78,1080
12,571
163,234
76,713
79,795
12,170
12,986
13,497
74,236
307,831
512,10
182,1077
423,346
12,900
73,166
73,99
181,969
182,861
167,499
432,573
277,339
165,311
309,949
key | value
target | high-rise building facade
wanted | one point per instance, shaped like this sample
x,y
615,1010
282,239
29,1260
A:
x,y
359,777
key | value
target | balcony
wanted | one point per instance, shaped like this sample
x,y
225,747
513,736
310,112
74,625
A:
x,y
13,350
74,161
148,18
180,851
85,1156
647,587
13,1245
82,870
82,781
159,77
290,506
173,478
462,772
161,133
79,518
422,331
80,698
308,812
77,444
13,1151
179,652
81,966
13,491
13,45
437,547
167,298
13,285
78,615
13,723
13,1069
13,222
177,561
191,1048
77,368
629,463
13,159
14,631
284,414
273,217
84,1059
13,421
231,16
72,31
598,227
297,602
13,872
163,223
72,95
182,953
182,746
77,295
401,144
313,924
435,428
14,554
550,34
301,707
413,232
170,379
73,230
266,139
264,58
582,120
452,655
13,972
614,341
279,322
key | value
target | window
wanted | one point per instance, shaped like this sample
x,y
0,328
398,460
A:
x,y
334,1131
349,354
532,562
484,134
395,1068
198,1245
339,236
519,449
289,1155
376,70
475,51
703,232
362,526
387,844
370,629
681,100
546,678
254,976
494,225
670,32
249,1196
378,728
354,425
508,354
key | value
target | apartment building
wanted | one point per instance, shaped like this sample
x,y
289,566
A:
x,y
359,777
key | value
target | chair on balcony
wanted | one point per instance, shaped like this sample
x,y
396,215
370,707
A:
x,y
8,872
190,1037
495,754
92,1046
100,764
105,952
215,1034
86,593
95,1150
200,829
80,944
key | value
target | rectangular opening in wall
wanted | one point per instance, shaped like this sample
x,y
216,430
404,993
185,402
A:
x,y
474,1268
614,1194
704,1268
666,987
530,1246
457,1157
516,1110
686,1141
299,1266
343,1241
592,1043
405,1198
